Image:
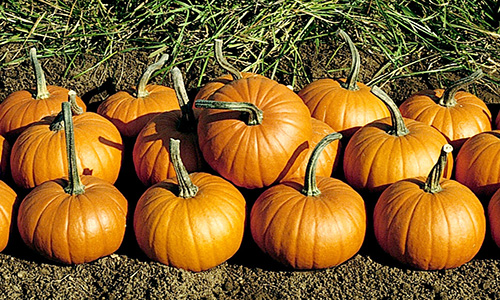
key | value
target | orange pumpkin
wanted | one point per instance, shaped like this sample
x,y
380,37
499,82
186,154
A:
x,y
38,153
130,111
4,156
194,221
430,223
494,217
253,131
458,115
73,221
23,108
391,149
150,155
8,199
319,224
344,104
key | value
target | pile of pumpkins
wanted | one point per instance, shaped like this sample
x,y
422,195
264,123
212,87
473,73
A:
x,y
246,131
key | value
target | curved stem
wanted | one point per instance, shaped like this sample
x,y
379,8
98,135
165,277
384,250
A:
x,y
41,84
143,81
310,186
448,98
75,186
253,114
398,123
351,83
186,187
188,121
431,185
223,62
75,109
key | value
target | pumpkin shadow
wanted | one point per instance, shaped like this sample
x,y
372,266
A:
x,y
107,86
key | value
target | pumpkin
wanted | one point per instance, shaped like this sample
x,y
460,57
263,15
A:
x,y
476,166
253,130
318,224
150,154
38,153
431,223
344,104
458,115
494,217
391,149
74,220
23,108
8,199
4,156
130,111
194,221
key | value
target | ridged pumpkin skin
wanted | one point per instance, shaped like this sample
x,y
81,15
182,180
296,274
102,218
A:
x,y
196,233
4,156
467,118
73,229
312,232
130,114
211,87
151,157
39,154
477,166
8,199
494,217
429,231
259,155
344,110
374,159
20,109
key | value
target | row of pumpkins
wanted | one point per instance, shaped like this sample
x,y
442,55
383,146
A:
x,y
253,133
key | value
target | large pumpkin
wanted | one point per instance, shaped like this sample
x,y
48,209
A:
x,y
430,223
458,115
318,224
8,199
23,108
194,221
494,217
391,149
76,220
344,104
130,111
259,146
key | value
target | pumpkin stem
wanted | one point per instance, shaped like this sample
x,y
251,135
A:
x,y
351,82
75,186
310,186
143,81
252,114
432,185
221,60
448,98
41,84
58,122
188,121
398,127
186,187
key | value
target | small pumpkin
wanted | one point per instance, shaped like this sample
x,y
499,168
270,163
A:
x,y
458,115
8,199
194,221
74,220
130,111
318,224
344,104
23,108
391,149
432,223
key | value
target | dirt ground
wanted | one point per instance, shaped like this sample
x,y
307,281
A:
x,y
250,274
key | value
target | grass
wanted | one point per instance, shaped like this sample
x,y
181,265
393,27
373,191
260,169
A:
x,y
262,36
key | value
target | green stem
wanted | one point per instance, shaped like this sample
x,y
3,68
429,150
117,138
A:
x,y
398,127
186,187
253,114
75,186
41,84
432,185
351,82
143,81
448,98
310,186
221,60
188,121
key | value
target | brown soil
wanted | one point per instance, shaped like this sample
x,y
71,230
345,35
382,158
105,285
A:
x,y
250,274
